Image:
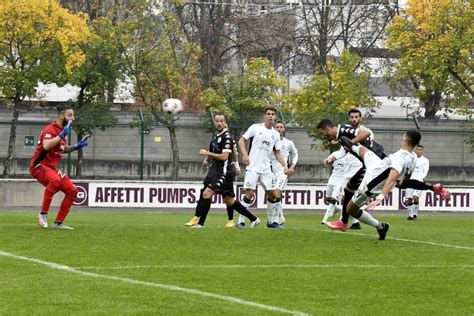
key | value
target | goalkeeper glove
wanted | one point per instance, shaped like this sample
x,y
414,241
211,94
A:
x,y
82,143
67,129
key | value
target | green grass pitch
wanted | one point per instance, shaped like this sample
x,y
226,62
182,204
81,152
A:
x,y
151,264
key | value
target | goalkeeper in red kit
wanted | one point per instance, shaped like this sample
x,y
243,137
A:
x,y
43,166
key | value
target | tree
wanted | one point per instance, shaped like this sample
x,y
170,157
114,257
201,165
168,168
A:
x,y
161,62
329,27
435,41
331,92
97,77
208,25
38,43
243,97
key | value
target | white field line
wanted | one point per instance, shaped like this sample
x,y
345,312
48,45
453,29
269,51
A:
x,y
394,238
279,266
157,285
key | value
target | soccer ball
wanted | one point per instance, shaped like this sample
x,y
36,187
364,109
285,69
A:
x,y
172,106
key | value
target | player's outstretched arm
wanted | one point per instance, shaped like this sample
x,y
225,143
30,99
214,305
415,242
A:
x,y
387,187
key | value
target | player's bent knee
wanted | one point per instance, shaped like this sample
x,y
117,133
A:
x,y
229,200
208,193
72,193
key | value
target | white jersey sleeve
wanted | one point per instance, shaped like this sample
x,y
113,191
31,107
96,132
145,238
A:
x,y
250,132
339,154
293,152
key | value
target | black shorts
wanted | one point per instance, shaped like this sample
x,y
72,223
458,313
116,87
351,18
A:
x,y
221,184
356,179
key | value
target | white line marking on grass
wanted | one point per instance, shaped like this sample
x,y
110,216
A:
x,y
280,266
158,285
399,239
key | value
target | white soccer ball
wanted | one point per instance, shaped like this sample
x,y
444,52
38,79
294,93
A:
x,y
172,106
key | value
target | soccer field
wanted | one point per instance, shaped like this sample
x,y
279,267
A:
x,y
150,263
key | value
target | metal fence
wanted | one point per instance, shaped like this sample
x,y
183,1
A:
x,y
125,152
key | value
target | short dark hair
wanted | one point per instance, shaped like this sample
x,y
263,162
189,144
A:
x,y
420,145
279,122
413,137
63,108
270,108
325,123
354,111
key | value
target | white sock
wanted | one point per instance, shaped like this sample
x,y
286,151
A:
x,y
354,220
271,212
355,148
368,219
329,212
245,204
241,217
415,209
411,211
279,212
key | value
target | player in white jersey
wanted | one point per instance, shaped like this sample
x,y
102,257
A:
x,y
421,171
334,188
264,141
343,170
380,178
288,150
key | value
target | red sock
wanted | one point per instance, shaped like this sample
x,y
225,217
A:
x,y
47,198
71,192
64,209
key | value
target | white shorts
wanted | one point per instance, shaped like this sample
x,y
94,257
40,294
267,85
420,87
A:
x,y
333,191
410,193
266,180
371,161
280,181
351,170
335,179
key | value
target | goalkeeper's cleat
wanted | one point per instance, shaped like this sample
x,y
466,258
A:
x,y
438,188
383,231
43,220
337,225
193,221
255,223
62,226
197,226
230,223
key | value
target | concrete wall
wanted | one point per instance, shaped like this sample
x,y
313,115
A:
x,y
115,153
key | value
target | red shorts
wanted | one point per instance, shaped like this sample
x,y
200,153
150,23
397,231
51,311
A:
x,y
45,175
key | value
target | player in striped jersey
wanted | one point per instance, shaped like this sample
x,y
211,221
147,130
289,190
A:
x,y
381,177
220,177
358,134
